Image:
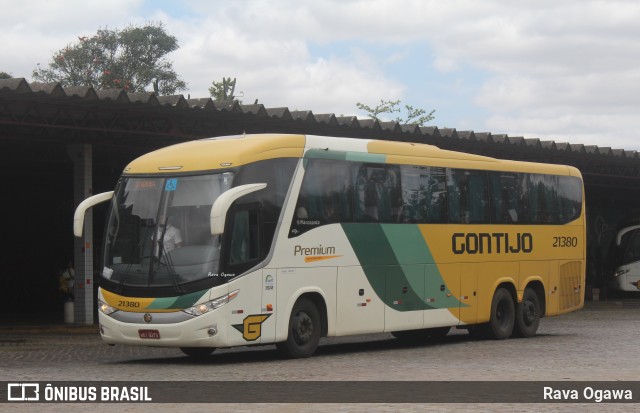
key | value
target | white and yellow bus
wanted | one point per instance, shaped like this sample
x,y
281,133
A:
x,y
284,239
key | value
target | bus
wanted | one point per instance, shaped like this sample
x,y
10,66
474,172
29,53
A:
x,y
283,239
625,253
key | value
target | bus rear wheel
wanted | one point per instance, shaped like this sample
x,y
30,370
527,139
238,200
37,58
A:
x,y
197,352
528,314
503,315
304,331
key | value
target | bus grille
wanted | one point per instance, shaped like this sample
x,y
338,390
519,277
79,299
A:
x,y
571,287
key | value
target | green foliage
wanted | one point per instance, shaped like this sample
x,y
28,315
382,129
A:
x,y
132,59
5,75
223,90
389,107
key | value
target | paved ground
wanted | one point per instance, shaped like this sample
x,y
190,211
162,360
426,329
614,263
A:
x,y
601,342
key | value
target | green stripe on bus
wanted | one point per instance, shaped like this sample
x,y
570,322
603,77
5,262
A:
x,y
345,156
392,282
326,154
407,243
181,302
366,157
399,266
410,247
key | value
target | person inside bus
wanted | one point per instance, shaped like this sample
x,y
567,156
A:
x,y
172,238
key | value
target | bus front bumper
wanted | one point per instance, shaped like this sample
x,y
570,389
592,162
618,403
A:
x,y
625,282
201,331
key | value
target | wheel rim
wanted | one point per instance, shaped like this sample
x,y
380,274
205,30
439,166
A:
x,y
502,314
302,328
529,312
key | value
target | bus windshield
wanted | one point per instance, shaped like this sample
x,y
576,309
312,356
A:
x,y
158,233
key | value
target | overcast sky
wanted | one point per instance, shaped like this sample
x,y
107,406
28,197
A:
x,y
565,70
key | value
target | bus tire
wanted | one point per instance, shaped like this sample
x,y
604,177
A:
x,y
527,314
503,315
197,352
304,330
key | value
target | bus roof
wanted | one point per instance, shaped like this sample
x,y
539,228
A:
x,y
232,151
218,153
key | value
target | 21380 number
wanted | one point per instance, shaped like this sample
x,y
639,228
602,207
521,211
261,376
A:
x,y
565,242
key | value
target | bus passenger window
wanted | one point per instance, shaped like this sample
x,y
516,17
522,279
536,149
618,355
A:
x,y
325,196
378,193
424,194
505,188
468,202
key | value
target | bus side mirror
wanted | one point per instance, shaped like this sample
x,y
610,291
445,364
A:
x,y
223,203
78,217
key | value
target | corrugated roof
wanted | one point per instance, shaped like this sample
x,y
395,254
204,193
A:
x,y
19,88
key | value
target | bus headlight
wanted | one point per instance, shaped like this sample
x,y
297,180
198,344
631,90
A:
x,y
105,308
200,309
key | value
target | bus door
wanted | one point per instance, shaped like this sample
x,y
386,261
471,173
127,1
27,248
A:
x,y
242,251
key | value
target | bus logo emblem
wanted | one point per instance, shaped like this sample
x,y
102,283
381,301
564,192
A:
x,y
251,327
147,318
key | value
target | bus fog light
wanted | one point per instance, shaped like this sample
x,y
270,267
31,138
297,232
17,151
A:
x,y
212,331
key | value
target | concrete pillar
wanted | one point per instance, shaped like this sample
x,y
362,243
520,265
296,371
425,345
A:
x,y
81,156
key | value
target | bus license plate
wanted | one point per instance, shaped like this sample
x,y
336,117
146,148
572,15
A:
x,y
149,334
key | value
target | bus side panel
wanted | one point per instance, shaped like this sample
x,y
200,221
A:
x,y
404,285
552,290
359,308
571,279
246,318
442,290
442,294
468,293
269,304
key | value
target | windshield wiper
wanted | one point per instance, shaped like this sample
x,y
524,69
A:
x,y
168,262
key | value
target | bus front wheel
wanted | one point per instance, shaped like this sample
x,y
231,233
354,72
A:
x,y
304,330
503,315
528,314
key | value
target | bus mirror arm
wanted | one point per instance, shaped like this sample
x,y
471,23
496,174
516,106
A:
x,y
78,216
223,203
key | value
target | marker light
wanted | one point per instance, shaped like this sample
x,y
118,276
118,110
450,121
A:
x,y
203,308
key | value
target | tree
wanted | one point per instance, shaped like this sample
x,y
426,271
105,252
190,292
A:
x,y
5,75
132,59
223,90
412,115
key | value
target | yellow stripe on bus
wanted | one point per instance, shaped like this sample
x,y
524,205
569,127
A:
x,y
320,258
